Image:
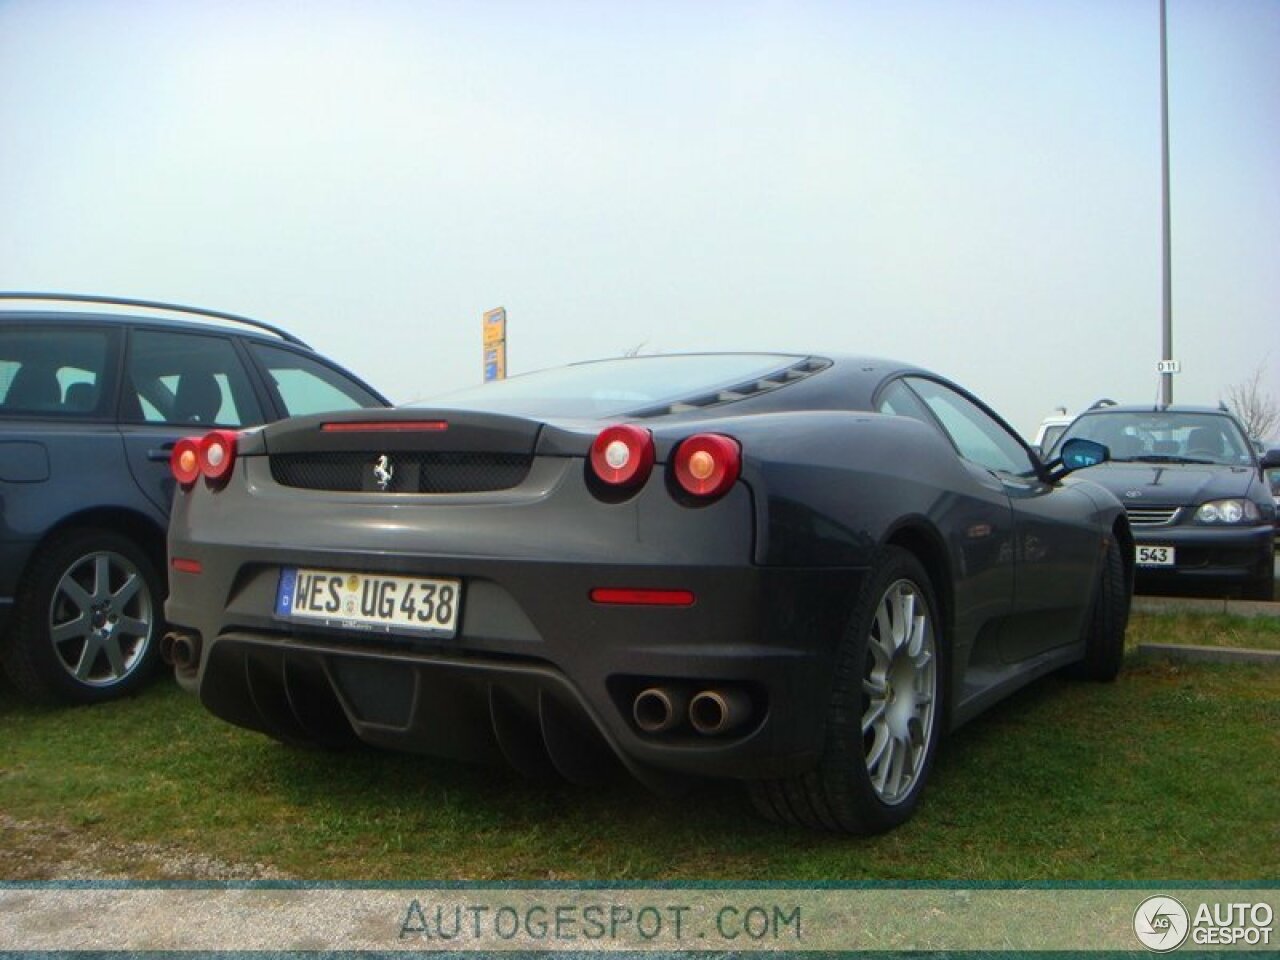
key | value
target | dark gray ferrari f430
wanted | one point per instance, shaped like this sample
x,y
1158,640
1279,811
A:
x,y
794,571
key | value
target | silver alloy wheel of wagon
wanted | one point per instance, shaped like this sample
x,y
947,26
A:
x,y
101,618
900,692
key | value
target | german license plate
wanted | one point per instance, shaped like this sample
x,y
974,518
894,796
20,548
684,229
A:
x,y
370,602
1155,556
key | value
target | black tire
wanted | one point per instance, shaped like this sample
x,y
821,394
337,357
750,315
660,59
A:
x,y
1108,620
841,793
109,644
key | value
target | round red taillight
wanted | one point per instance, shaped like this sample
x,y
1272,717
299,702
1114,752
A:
x,y
217,455
622,455
184,461
708,464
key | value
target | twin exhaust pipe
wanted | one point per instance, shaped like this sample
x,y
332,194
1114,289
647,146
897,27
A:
x,y
710,712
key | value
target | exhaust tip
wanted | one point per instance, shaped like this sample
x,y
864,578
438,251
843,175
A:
x,y
712,712
657,709
180,650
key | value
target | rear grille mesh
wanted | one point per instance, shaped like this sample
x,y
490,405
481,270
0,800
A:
x,y
1151,516
409,472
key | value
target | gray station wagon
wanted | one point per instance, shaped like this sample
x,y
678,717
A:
x,y
94,392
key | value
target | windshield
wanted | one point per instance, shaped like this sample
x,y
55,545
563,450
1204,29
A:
x,y
610,388
1165,436
1051,435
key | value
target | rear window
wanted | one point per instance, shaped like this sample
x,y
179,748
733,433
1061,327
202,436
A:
x,y
608,388
306,386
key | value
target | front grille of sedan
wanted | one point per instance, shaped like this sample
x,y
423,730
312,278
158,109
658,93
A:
x,y
409,472
1151,516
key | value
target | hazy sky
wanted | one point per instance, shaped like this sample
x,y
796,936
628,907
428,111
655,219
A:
x,y
972,186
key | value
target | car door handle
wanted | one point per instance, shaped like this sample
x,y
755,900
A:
x,y
162,453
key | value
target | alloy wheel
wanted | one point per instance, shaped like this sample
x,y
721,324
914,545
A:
x,y
101,618
900,687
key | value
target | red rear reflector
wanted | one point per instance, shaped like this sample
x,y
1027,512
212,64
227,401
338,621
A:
x,y
385,426
643,598
183,565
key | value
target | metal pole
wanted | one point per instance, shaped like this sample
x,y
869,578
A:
x,y
1166,330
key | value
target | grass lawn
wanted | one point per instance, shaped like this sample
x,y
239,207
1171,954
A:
x,y
1206,629
1170,773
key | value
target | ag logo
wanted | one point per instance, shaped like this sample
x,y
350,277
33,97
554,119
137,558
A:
x,y
1161,924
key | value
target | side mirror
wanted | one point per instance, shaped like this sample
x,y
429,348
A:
x,y
1076,454
1271,459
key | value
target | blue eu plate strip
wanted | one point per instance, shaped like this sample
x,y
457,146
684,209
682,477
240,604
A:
x,y
288,584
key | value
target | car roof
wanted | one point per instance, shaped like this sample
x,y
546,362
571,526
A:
x,y
127,310
1149,408
821,380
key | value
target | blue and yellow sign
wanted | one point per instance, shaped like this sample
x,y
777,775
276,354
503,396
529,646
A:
x,y
495,344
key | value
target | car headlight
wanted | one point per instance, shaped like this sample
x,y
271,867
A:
x,y
1228,511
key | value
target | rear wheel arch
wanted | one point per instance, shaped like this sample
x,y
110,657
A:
x,y
926,545
872,763
130,524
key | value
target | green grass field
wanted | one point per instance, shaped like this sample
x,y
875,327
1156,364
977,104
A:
x,y
1204,629
1169,773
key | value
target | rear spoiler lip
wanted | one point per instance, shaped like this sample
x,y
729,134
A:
x,y
390,431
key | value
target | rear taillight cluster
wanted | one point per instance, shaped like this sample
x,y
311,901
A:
x,y
211,456
703,466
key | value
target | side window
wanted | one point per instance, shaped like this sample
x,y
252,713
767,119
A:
x,y
189,379
46,371
899,401
308,386
977,436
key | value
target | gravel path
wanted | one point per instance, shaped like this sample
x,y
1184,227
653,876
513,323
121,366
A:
x,y
34,850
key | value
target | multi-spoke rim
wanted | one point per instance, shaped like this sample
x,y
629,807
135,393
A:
x,y
899,692
100,619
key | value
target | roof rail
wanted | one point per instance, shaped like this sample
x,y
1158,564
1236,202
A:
x,y
154,305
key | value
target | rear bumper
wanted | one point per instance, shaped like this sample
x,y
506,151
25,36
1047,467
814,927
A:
x,y
562,692
538,675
